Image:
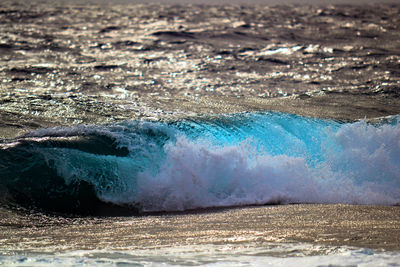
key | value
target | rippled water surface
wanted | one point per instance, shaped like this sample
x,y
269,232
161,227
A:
x,y
170,92
190,49
118,61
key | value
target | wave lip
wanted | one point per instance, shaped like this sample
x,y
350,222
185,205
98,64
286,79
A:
x,y
209,161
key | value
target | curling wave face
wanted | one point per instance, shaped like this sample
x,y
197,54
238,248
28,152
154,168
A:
x,y
210,161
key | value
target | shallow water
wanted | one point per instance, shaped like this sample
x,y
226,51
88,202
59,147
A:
x,y
272,235
214,256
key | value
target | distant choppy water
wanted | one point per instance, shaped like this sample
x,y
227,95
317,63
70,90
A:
x,y
54,55
138,50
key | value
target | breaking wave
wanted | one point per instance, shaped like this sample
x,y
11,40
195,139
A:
x,y
203,162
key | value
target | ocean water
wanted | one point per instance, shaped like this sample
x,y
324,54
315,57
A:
x,y
148,134
204,162
197,165
214,256
70,62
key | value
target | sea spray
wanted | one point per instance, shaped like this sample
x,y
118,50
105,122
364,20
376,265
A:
x,y
208,161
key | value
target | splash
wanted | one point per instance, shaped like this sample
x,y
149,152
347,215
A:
x,y
209,161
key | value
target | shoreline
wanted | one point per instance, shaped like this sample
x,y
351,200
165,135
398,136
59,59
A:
x,y
359,226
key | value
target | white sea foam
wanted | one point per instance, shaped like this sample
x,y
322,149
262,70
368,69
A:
x,y
214,255
198,174
359,165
